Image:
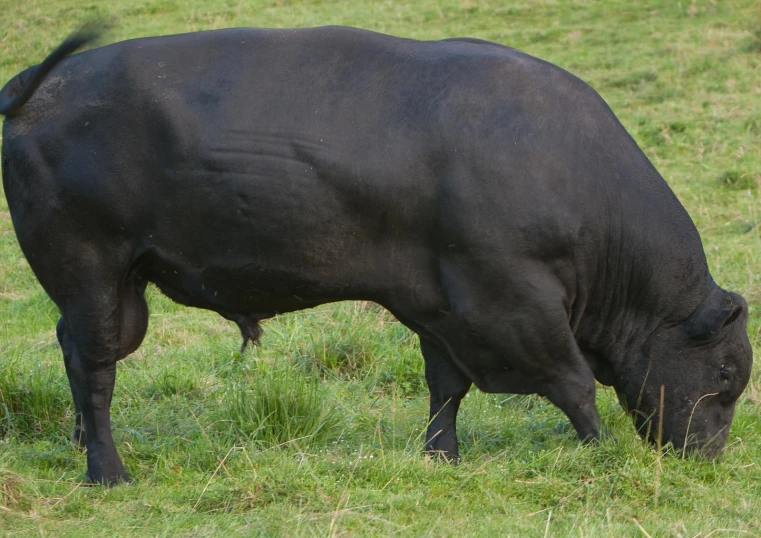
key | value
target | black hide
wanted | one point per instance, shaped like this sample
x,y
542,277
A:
x,y
490,200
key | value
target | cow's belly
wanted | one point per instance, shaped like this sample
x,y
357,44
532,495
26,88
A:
x,y
245,284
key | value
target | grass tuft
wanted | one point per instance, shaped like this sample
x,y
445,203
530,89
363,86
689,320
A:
x,y
280,404
171,383
753,42
33,402
734,179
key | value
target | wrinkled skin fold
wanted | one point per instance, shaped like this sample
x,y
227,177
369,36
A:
x,y
490,200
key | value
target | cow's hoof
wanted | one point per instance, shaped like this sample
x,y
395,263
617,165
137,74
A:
x,y
108,481
444,456
590,441
591,437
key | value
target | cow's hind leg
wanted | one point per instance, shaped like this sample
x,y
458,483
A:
x,y
133,325
99,327
448,386
78,438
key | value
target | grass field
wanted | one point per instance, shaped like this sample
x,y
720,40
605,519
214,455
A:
x,y
319,430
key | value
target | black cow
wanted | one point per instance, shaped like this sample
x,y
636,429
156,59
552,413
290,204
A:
x,y
490,200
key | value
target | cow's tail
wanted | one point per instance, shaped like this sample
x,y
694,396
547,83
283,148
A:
x,y
21,87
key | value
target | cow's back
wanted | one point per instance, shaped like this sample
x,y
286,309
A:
x,y
335,147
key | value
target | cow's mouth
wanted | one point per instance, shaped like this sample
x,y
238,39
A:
x,y
707,446
692,445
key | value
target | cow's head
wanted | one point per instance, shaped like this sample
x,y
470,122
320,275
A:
x,y
703,365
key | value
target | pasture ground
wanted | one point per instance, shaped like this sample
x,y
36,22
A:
x,y
319,431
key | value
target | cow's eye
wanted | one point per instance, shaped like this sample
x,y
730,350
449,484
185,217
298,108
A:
x,y
725,374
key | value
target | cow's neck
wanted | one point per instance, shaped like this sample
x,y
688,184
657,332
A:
x,y
652,271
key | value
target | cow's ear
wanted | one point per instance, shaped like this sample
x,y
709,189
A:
x,y
710,317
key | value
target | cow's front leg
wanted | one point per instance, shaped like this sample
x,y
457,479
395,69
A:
x,y
447,387
574,393
526,324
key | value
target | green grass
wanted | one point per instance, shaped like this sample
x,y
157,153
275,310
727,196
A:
x,y
319,430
